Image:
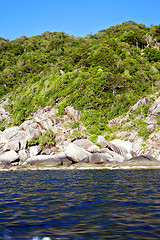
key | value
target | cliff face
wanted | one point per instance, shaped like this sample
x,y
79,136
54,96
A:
x,y
141,126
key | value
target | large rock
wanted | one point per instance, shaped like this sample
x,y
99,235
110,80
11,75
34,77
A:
x,y
76,153
143,157
96,158
1,148
4,114
46,151
12,145
29,124
32,134
44,117
112,156
34,151
102,141
155,108
72,113
87,145
12,134
23,155
8,157
142,161
123,148
141,102
49,160
60,139
2,111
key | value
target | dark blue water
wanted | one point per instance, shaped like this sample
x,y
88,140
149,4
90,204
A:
x,y
88,204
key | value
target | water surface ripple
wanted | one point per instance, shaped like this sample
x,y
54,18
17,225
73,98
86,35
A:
x,y
87,204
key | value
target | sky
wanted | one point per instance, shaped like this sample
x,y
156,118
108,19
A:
x,y
75,17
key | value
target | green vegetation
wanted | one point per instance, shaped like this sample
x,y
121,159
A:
x,y
45,140
158,120
101,75
2,127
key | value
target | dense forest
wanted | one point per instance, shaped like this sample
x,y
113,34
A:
x,y
101,75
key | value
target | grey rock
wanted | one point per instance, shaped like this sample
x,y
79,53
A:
x,y
32,134
112,156
29,124
57,120
142,161
23,155
45,161
9,157
76,153
73,114
85,165
59,139
44,117
47,124
34,151
143,157
46,151
87,145
62,72
151,127
47,108
102,141
12,134
2,111
155,108
1,148
140,103
123,148
96,158
48,160
12,145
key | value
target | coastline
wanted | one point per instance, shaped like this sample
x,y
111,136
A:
x,y
75,168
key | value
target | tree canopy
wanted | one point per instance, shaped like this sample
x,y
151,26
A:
x,y
103,73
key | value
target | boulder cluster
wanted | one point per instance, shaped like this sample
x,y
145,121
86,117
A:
x,y
67,152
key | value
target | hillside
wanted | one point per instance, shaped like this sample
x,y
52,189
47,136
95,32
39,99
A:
x,y
101,75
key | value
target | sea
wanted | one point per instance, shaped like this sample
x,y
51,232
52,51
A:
x,y
80,204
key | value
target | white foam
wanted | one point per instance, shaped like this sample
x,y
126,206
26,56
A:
x,y
38,238
46,238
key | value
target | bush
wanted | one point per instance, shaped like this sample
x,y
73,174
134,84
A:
x,y
110,136
2,127
158,120
46,139
93,138
144,132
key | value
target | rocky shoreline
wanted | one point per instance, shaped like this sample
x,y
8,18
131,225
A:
x,y
20,151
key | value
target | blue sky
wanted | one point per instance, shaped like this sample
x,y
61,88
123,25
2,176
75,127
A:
x,y
74,17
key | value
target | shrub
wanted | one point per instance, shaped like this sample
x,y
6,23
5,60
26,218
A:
x,y
110,136
144,132
76,135
2,127
158,120
93,138
33,142
46,139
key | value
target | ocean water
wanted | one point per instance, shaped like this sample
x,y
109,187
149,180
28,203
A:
x,y
80,204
